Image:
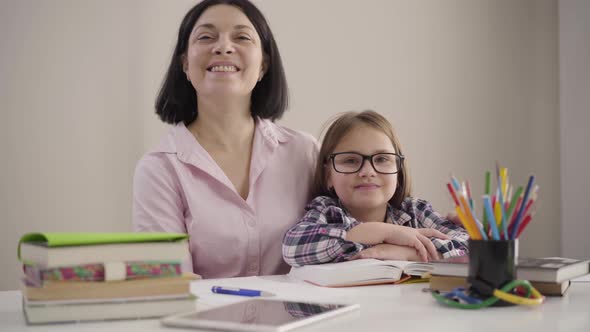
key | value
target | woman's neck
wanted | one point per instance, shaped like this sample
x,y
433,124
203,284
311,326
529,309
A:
x,y
377,214
226,125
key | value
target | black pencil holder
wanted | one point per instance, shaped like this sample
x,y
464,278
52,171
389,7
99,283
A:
x,y
491,266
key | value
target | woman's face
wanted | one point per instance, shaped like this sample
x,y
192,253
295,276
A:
x,y
224,55
365,189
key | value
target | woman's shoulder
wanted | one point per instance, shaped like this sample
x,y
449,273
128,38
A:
x,y
158,159
288,135
298,135
154,164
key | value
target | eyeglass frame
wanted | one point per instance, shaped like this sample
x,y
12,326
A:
x,y
366,157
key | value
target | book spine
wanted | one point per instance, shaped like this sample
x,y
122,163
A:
x,y
96,272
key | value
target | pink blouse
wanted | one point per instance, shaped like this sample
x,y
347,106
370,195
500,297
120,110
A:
x,y
179,188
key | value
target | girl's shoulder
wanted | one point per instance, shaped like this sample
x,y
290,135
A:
x,y
320,203
414,203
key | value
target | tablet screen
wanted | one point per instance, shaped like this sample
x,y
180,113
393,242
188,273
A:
x,y
263,312
259,315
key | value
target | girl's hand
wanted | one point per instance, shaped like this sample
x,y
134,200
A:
x,y
389,251
418,239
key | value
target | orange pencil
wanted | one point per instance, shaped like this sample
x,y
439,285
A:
x,y
465,223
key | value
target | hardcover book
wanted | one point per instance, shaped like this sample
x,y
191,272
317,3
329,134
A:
x,y
548,269
66,249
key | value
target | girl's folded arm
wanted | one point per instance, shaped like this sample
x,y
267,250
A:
x,y
428,218
315,241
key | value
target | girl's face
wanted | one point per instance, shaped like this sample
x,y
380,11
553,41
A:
x,y
224,55
365,189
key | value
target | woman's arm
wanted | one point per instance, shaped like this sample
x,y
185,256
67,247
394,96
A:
x,y
157,200
157,203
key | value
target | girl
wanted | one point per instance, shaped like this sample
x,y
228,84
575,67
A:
x,y
362,206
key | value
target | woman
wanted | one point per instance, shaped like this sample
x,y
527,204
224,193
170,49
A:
x,y
226,174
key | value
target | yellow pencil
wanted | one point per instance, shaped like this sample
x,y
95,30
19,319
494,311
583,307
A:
x,y
498,214
465,223
469,218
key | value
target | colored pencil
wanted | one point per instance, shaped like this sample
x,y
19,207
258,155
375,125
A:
x,y
520,214
487,192
492,222
453,195
469,218
516,198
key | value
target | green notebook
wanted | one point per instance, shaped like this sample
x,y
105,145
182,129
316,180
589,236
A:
x,y
53,240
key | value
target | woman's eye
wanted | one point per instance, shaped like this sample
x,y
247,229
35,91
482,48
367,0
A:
x,y
203,37
243,37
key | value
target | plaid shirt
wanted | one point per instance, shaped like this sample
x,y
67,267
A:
x,y
319,237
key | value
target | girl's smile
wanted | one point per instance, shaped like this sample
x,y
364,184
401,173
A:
x,y
367,186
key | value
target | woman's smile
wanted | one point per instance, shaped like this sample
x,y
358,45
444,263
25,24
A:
x,y
223,67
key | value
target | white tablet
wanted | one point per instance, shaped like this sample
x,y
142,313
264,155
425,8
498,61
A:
x,y
259,315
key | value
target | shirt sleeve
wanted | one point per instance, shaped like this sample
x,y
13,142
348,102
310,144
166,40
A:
x,y
157,200
426,217
320,236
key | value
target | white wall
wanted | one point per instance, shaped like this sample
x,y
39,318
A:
x,y
465,83
574,78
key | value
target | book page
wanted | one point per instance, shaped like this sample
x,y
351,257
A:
x,y
411,267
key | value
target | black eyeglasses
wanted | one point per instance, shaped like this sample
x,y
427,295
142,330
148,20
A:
x,y
352,162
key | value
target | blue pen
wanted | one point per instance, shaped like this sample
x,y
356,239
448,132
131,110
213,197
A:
x,y
239,291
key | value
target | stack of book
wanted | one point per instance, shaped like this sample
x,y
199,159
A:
x,y
551,275
70,277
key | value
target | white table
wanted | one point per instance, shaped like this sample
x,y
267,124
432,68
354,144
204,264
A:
x,y
383,308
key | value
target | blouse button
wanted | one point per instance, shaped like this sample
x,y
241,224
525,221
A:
x,y
251,222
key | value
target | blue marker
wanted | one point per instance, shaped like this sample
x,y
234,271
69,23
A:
x,y
239,291
487,204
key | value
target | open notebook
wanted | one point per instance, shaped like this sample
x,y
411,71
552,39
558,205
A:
x,y
359,272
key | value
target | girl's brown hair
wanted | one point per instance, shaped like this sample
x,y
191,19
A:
x,y
339,127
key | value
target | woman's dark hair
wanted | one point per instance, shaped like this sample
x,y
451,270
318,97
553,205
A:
x,y
177,99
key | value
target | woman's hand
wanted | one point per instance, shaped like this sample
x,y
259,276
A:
x,y
390,251
417,239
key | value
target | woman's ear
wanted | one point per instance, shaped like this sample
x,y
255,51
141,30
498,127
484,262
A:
x,y
263,68
185,66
